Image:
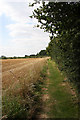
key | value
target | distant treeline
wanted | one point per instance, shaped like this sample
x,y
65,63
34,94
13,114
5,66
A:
x,y
42,53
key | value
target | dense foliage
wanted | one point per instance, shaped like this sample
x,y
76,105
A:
x,y
62,19
42,53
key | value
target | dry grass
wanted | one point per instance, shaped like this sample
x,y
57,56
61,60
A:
x,y
21,82
20,72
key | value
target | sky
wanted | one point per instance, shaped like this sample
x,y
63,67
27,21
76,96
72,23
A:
x,y
18,36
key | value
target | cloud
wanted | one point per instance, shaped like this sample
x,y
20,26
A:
x,y
24,38
25,30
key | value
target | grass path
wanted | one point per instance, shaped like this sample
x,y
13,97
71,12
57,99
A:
x,y
59,99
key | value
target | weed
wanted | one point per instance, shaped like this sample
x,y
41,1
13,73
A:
x,y
26,100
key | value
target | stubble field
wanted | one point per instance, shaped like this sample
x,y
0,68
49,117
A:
x,y
18,72
21,79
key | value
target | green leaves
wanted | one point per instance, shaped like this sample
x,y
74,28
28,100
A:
x,y
62,19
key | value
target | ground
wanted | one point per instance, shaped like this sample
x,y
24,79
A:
x,y
59,98
16,71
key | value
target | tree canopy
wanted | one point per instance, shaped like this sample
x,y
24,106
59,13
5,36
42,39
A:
x,y
42,53
58,17
62,19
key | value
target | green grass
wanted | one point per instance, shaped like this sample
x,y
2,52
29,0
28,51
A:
x,y
61,102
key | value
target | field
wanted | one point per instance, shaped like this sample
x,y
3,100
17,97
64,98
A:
x,y
21,79
36,88
17,72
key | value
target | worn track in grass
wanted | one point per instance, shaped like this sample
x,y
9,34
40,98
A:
x,y
58,99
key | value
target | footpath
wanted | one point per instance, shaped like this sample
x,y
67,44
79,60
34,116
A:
x,y
59,99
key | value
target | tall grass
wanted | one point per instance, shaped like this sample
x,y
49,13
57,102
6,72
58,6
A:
x,y
21,100
0,88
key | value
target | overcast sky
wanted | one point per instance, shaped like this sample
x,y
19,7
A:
x,y
18,36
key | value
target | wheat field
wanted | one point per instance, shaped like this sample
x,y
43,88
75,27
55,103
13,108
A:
x,y
16,73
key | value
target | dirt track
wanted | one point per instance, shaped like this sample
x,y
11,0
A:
x,y
14,70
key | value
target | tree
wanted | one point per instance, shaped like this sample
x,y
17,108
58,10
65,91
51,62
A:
x,y
3,57
58,17
42,53
62,19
